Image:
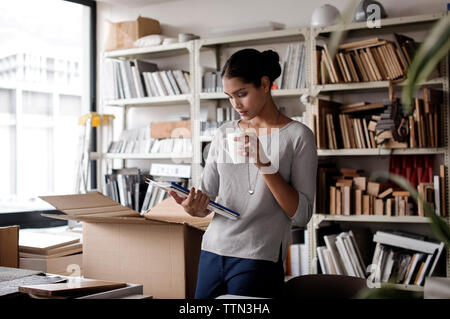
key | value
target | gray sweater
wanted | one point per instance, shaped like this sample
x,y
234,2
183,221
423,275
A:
x,y
263,225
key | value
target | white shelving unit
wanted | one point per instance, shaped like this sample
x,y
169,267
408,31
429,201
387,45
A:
x,y
309,36
401,25
148,53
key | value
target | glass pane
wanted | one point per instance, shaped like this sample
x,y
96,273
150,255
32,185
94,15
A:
x,y
44,75
37,103
7,101
70,105
36,162
7,161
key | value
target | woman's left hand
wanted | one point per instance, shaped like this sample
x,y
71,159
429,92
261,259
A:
x,y
252,149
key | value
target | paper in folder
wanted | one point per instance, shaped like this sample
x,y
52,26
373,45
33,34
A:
x,y
180,190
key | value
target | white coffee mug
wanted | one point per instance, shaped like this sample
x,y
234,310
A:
x,y
233,149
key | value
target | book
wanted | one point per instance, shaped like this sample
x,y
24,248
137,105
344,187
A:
x,y
322,261
423,270
184,192
166,82
330,242
137,81
148,195
345,257
181,81
159,83
413,267
389,263
173,82
355,253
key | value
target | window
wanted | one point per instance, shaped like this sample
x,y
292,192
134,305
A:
x,y
47,78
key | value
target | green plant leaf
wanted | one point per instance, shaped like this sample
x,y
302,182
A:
x,y
432,50
340,33
438,225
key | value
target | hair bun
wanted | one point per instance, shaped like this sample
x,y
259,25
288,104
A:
x,y
272,64
271,55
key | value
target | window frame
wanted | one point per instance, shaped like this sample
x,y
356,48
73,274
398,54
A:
x,y
33,219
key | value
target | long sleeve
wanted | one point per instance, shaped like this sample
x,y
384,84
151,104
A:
x,y
210,175
303,177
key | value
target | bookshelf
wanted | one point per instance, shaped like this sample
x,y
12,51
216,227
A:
x,y
217,48
177,50
415,25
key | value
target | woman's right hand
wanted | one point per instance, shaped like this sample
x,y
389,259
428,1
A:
x,y
195,204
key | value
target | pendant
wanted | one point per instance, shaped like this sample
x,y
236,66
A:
x,y
251,192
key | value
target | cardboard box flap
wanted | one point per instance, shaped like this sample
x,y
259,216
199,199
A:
x,y
171,212
77,206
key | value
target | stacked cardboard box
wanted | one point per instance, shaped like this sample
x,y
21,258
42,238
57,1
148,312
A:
x,y
50,252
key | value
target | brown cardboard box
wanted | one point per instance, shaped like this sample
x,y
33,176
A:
x,y
121,35
160,251
9,246
57,265
166,129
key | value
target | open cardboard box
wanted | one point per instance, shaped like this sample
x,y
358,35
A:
x,y
159,250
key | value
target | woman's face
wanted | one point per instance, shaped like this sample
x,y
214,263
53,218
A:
x,y
247,99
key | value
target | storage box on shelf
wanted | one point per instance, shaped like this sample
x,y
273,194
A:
x,y
346,78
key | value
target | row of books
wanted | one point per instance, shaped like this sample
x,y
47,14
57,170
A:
x,y
128,187
425,123
341,255
346,192
404,258
224,114
364,61
152,146
347,201
137,78
293,68
371,125
208,128
212,82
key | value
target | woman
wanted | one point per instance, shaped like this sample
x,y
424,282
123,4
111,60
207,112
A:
x,y
271,190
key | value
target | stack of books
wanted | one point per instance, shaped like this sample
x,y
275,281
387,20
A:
x,y
50,252
293,67
404,258
363,61
371,124
341,256
212,82
346,192
127,186
154,139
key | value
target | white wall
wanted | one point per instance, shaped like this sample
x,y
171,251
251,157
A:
x,y
198,16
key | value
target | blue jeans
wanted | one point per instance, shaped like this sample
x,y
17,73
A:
x,y
220,275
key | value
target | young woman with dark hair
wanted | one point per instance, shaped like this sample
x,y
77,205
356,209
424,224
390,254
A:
x,y
273,189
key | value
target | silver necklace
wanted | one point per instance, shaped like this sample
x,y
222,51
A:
x,y
251,190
